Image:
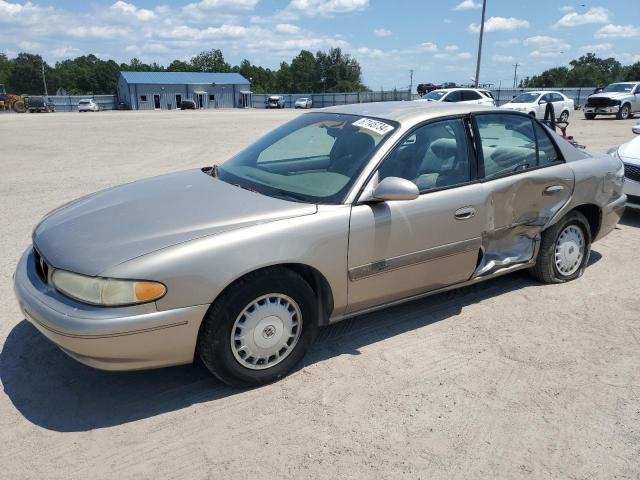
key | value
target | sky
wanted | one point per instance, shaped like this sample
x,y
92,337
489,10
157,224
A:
x,y
436,39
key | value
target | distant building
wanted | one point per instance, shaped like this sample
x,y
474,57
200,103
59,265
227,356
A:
x,y
165,90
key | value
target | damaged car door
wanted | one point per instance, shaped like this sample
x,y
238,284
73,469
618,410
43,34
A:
x,y
402,248
527,182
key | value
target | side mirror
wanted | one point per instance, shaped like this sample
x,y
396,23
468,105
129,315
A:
x,y
395,188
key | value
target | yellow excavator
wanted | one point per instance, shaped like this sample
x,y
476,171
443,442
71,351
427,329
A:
x,y
9,101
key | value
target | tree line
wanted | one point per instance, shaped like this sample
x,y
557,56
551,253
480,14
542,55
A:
x,y
332,71
587,71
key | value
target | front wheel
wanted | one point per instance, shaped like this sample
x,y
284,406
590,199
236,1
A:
x,y
564,116
259,328
564,250
624,112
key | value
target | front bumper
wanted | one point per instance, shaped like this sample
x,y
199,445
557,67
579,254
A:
x,y
122,338
632,190
603,110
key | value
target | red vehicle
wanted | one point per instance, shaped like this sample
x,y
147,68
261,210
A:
x,y
426,88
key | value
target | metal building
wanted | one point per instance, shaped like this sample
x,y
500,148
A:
x,y
165,90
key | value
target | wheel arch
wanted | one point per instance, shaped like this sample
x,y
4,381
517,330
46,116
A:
x,y
316,280
593,214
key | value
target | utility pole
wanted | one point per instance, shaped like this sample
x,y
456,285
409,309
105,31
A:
x,y
410,83
515,74
46,94
484,8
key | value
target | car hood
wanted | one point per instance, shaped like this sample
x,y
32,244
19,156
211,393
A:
x,y
109,227
612,95
630,151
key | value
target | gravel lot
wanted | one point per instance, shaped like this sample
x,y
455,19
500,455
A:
x,y
507,379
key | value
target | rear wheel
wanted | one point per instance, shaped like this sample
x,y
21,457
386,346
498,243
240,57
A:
x,y
259,328
564,250
589,116
564,116
624,112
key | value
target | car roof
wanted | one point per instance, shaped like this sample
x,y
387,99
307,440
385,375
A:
x,y
407,111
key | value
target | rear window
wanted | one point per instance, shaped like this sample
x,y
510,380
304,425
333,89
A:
x,y
84,102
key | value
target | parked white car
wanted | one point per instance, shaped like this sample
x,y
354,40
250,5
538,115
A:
x,y
477,96
535,104
629,153
88,105
636,128
303,103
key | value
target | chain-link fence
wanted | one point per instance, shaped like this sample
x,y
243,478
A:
x,y
319,100
69,103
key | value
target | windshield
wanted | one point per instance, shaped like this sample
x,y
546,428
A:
x,y
302,99
619,87
314,158
436,95
84,102
526,98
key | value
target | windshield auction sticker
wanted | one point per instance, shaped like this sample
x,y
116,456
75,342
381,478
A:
x,y
375,126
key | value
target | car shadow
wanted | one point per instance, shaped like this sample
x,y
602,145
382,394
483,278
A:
x,y
57,393
631,218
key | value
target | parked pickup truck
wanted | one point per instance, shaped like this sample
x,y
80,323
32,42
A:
x,y
619,99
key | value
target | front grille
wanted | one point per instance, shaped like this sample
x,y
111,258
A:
x,y
601,102
632,172
42,268
635,199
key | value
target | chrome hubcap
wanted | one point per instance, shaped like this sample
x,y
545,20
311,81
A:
x,y
569,250
266,331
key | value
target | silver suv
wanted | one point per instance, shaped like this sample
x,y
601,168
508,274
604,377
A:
x,y
619,99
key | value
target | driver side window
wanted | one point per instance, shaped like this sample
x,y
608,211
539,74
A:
x,y
433,156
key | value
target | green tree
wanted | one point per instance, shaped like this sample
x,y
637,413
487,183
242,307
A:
x,y
631,73
587,71
339,72
180,66
25,75
210,61
305,76
5,67
87,74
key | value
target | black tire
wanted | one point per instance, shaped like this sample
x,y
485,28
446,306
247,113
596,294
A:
x,y
214,344
589,116
624,112
564,116
532,114
545,269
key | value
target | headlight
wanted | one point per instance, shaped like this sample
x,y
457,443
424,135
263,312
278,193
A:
x,y
106,291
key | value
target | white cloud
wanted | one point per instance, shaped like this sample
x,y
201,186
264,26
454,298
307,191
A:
x,y
451,56
451,48
494,24
382,32
65,52
467,5
545,47
97,31
323,8
287,28
507,43
593,15
566,8
618,31
428,47
503,58
371,52
463,56
125,8
597,48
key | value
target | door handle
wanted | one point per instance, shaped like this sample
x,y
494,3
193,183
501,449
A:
x,y
553,189
465,213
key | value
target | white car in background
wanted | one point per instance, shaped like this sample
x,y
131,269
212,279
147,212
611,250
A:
x,y
88,105
477,96
535,104
629,153
636,128
303,103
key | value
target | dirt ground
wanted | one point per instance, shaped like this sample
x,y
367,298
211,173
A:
x,y
507,379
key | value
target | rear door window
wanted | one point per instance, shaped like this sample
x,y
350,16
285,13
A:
x,y
470,95
455,96
508,144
